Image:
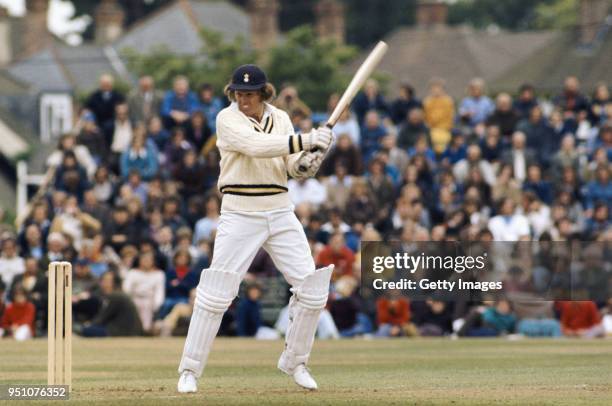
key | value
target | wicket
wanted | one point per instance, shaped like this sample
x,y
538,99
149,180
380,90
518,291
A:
x,y
59,341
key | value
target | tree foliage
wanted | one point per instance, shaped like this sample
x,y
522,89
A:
x,y
313,65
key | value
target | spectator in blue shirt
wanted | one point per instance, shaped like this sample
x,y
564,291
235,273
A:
x,y
599,189
456,150
534,182
525,101
372,133
249,312
210,105
475,108
178,103
369,99
141,157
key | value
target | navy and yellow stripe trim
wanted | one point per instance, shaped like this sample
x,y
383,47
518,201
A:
x,y
253,190
295,144
267,126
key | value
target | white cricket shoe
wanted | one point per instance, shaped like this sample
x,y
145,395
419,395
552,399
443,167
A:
x,y
187,383
302,377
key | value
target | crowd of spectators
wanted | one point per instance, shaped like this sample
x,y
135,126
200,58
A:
x,y
134,206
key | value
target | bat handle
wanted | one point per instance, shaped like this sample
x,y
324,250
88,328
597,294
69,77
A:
x,y
329,125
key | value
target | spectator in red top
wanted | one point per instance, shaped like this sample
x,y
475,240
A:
x,y
393,314
18,319
580,319
336,252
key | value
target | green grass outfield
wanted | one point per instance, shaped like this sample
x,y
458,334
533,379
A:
x,y
400,371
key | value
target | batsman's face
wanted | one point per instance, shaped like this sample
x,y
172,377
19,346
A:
x,y
249,102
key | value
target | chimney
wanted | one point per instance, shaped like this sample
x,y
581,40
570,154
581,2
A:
x,y
264,23
431,13
330,20
592,15
108,20
6,37
35,36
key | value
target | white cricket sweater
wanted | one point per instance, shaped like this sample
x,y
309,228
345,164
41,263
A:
x,y
255,159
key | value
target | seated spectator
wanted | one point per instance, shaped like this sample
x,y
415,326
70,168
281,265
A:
x,y
176,149
397,157
504,116
508,225
519,156
401,107
433,318
248,317
372,133
566,157
580,319
599,189
102,184
207,226
180,280
289,100
346,310
361,204
393,316
82,155
534,183
476,107
140,157
493,320
525,101
537,213
412,128
11,264
347,124
118,316
308,190
103,101
336,252
146,286
70,177
473,158
599,223
491,145
32,244
120,133
380,186
345,152
121,231
177,318
535,317
198,130
189,174
157,133
210,104
455,152
71,221
370,99
92,138
18,318
144,101
438,106
85,301
571,100
178,104
540,136
338,187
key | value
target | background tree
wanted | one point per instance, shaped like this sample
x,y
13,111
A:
x,y
313,65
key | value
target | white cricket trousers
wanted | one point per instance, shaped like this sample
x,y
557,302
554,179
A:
x,y
239,236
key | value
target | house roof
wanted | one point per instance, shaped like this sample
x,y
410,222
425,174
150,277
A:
x,y
547,68
11,85
177,26
456,54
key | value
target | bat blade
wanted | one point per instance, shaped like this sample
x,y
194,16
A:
x,y
363,73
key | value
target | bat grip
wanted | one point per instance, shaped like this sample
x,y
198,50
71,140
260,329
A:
x,y
302,168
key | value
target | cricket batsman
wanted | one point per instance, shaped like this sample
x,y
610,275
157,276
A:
x,y
258,149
